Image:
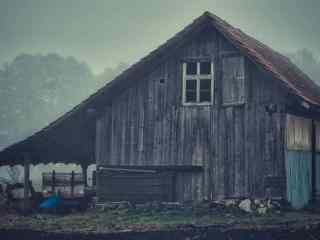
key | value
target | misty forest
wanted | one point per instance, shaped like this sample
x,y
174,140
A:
x,y
41,88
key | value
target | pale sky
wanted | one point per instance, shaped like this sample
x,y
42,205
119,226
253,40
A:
x,y
106,32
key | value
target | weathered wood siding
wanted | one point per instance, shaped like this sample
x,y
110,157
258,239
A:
x,y
250,134
238,143
147,124
299,160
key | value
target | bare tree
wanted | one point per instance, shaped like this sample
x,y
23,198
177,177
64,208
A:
x,y
14,175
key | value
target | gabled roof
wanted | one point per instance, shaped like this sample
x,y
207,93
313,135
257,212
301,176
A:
x,y
272,61
75,121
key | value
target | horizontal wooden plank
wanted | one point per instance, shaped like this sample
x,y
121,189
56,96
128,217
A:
x,y
182,168
135,191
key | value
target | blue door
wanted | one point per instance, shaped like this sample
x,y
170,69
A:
x,y
299,180
299,161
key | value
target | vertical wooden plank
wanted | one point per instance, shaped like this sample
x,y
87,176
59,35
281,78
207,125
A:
x,y
84,169
26,183
317,175
239,141
53,181
299,161
298,133
98,142
222,157
72,183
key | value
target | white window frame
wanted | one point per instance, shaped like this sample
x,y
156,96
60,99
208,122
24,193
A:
x,y
198,77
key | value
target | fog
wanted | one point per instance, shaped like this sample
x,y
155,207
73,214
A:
x,y
106,32
39,81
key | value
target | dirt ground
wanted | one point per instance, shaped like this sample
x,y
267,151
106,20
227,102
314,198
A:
x,y
154,219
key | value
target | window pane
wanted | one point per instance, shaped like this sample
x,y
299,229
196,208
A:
x,y
191,84
191,90
205,84
205,96
191,68
205,67
191,96
205,90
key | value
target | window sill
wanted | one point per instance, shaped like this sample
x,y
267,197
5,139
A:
x,y
235,104
197,104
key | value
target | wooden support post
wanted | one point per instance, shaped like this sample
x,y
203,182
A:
x,y
26,183
94,178
72,183
53,186
84,174
313,164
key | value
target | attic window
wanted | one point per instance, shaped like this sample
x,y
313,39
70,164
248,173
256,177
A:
x,y
198,79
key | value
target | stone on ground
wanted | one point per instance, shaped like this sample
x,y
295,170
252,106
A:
x,y
245,205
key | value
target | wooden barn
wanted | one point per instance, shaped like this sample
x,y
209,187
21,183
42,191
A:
x,y
210,114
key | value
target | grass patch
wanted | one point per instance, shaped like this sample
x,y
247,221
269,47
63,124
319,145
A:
x,y
149,220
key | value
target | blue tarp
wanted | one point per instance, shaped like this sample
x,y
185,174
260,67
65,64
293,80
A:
x,y
51,202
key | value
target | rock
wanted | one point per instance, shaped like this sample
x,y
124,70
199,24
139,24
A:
x,y
230,202
245,205
121,205
257,202
113,205
262,205
172,204
145,207
262,210
277,204
269,204
217,204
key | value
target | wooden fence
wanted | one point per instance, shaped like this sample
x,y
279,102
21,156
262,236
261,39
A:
x,y
54,179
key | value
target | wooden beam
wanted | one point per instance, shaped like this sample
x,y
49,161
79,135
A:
x,y
26,183
313,164
72,183
53,182
84,174
181,168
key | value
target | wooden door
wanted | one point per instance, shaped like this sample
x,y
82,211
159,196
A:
x,y
299,161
